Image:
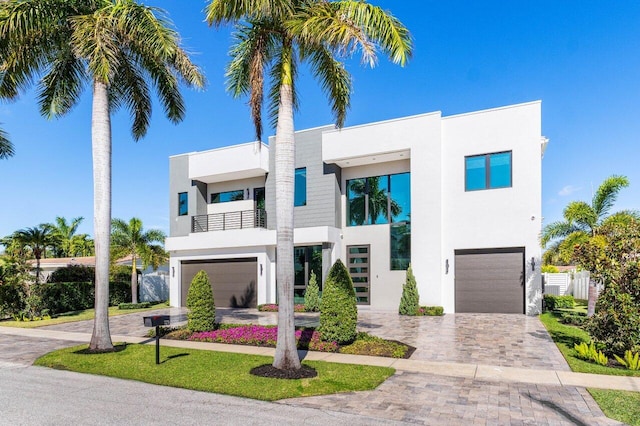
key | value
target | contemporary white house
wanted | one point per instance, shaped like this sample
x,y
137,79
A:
x,y
457,197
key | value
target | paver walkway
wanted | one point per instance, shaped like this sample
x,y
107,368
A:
x,y
467,368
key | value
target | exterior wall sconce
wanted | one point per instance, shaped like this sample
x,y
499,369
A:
x,y
173,271
261,269
533,263
446,266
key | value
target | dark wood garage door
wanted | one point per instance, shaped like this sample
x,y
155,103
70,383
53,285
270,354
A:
x,y
490,280
233,281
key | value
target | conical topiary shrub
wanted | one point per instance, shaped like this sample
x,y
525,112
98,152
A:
x,y
312,295
338,311
410,301
202,310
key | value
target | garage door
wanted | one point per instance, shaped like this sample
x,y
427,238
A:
x,y
490,280
233,281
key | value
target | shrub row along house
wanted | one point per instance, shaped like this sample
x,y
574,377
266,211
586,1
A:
x,y
458,197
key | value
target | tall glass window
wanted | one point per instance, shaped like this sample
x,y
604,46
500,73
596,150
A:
x,y
225,197
488,171
183,204
300,182
305,260
400,239
258,197
379,199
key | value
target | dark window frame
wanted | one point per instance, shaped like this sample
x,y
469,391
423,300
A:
x,y
186,204
295,178
487,171
236,191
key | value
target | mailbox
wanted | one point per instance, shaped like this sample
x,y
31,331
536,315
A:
x,y
157,320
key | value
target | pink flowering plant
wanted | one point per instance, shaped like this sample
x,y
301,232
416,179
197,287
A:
x,y
260,335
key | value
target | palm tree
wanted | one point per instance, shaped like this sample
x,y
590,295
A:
x,y
82,245
117,47
36,240
583,221
6,147
272,38
65,233
129,239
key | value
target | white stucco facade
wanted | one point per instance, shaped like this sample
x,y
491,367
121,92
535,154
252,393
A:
x,y
445,220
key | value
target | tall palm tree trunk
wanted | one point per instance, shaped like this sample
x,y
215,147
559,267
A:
x,y
134,280
286,356
101,146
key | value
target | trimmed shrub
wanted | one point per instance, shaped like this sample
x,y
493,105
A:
x,y
202,310
410,300
73,274
273,307
312,295
572,318
430,311
552,302
75,296
141,305
552,269
338,310
119,292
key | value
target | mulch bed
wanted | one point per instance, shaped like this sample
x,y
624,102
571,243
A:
x,y
271,372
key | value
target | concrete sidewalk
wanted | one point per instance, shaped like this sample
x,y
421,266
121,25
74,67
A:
x,y
483,372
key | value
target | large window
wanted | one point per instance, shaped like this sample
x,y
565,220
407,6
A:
x,y
183,204
400,239
305,260
300,194
225,197
379,199
488,171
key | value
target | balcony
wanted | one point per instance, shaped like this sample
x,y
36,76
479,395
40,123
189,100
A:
x,y
245,219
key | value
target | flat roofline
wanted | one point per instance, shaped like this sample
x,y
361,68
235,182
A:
x,y
264,145
391,120
482,111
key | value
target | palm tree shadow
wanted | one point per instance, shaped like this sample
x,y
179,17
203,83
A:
x,y
558,409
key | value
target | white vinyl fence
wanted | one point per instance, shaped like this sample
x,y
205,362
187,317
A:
x,y
574,283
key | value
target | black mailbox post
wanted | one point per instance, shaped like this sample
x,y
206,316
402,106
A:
x,y
156,321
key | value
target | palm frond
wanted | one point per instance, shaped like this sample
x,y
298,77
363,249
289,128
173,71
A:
x,y
556,230
334,79
130,89
581,215
607,193
348,26
220,12
61,87
6,147
624,218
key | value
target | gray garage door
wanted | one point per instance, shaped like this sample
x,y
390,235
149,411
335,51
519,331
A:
x,y
490,280
233,281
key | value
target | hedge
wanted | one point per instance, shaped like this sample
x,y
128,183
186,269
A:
x,y
63,297
551,302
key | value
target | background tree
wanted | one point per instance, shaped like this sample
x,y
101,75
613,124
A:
x,y
130,239
271,40
583,221
6,147
120,49
36,240
65,233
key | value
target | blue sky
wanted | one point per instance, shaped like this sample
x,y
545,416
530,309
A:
x,y
581,58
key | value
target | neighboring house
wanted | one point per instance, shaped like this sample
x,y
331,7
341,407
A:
x,y
458,197
153,285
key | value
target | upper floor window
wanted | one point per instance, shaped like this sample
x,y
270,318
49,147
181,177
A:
x,y
225,197
300,182
183,204
379,199
488,171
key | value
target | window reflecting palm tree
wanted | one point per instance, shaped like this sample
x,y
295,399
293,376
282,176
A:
x,y
373,189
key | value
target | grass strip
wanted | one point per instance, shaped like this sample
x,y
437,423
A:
x,y
623,406
208,371
75,316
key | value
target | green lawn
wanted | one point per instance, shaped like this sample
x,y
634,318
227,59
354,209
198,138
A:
x,y
86,314
619,405
225,373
